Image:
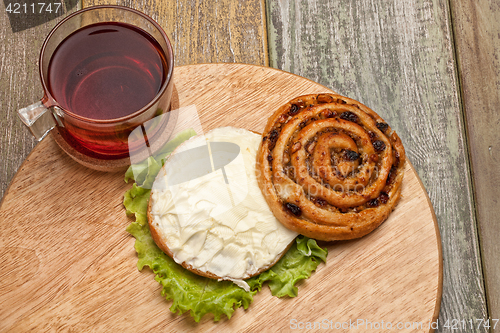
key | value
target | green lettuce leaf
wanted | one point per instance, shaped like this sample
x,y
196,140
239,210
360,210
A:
x,y
144,173
196,294
297,264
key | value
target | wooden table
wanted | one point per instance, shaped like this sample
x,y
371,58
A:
x,y
430,68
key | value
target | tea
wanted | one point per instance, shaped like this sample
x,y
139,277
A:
x,y
106,71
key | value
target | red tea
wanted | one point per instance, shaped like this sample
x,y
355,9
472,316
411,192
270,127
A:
x,y
106,71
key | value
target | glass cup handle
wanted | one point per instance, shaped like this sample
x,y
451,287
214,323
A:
x,y
38,119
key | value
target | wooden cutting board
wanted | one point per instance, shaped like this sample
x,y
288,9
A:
x,y
67,263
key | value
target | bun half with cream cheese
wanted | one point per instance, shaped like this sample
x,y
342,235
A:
x,y
206,210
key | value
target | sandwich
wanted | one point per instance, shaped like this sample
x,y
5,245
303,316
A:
x,y
181,282
219,215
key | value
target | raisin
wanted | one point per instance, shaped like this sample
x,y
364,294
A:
x,y
383,197
350,155
329,113
382,126
270,158
396,155
374,158
294,109
322,98
379,145
373,203
282,118
349,116
392,175
372,136
273,137
320,202
294,209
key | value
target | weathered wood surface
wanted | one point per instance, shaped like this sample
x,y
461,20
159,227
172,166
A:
x,y
208,31
19,83
477,40
397,57
57,211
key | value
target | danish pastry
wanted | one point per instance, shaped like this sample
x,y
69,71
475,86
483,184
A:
x,y
329,167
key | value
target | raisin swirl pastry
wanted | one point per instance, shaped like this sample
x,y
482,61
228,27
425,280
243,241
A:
x,y
329,167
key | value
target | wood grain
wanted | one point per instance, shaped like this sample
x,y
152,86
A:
x,y
208,31
19,85
477,37
69,265
397,57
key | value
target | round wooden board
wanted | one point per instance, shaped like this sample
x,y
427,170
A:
x,y
68,264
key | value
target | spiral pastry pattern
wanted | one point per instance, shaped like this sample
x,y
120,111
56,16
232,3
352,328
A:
x,y
329,167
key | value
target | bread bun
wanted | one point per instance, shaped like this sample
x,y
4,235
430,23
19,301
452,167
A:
x,y
161,242
218,224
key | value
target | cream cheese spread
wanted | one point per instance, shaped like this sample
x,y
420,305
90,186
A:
x,y
218,222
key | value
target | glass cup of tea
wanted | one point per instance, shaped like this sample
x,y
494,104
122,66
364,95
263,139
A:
x,y
105,70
